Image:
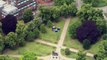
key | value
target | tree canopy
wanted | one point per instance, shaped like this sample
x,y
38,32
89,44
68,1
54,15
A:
x,y
9,24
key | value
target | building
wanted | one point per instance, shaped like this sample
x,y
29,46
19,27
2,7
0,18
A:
x,y
17,7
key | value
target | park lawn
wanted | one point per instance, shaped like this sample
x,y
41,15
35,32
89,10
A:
x,y
51,36
35,47
74,43
74,55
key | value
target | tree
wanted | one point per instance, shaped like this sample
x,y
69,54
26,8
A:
x,y
21,33
87,12
49,24
29,56
73,27
68,10
36,32
102,54
11,40
81,56
28,15
9,24
30,36
86,44
93,2
1,43
67,51
61,2
50,13
88,30
43,28
105,36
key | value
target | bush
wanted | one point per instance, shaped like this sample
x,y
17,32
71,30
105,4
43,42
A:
x,y
36,32
86,44
43,28
73,28
67,51
49,24
105,36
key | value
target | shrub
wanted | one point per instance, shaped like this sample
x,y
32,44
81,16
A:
x,y
86,44
43,28
67,51
49,24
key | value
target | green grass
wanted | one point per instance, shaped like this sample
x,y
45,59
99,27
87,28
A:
x,y
37,48
74,43
51,36
74,55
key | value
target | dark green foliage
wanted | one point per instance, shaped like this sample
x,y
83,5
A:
x,y
93,2
81,56
9,24
49,24
61,2
28,15
86,44
105,36
11,40
50,13
68,10
43,28
37,33
1,44
30,36
67,51
73,27
87,12
21,33
102,54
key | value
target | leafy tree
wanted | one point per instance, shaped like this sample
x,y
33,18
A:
x,y
68,10
102,54
43,28
88,30
73,27
30,36
81,56
21,33
93,2
67,51
105,36
10,40
87,12
29,56
86,44
28,15
9,24
50,13
49,24
36,32
1,43
61,2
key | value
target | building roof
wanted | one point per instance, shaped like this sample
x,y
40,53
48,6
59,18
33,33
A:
x,y
2,3
9,9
